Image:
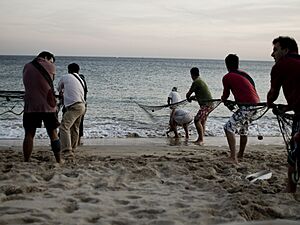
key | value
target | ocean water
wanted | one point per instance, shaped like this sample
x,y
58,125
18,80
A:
x,y
116,84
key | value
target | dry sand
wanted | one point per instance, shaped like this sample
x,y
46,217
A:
x,y
136,182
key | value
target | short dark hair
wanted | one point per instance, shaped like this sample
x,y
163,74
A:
x,y
286,43
195,71
232,61
73,68
46,55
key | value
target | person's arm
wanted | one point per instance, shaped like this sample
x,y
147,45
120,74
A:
x,y
276,82
60,87
169,100
189,93
272,96
226,90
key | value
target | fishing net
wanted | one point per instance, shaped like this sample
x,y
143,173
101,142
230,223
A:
x,y
11,102
214,103
258,110
152,108
149,109
285,121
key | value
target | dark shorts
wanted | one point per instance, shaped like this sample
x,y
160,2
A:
x,y
34,120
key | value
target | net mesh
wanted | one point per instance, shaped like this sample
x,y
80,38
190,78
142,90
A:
x,y
152,108
258,109
285,122
148,108
11,102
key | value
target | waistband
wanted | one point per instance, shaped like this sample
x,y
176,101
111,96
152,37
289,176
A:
x,y
76,103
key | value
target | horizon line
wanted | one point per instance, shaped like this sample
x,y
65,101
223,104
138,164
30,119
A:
x,y
139,57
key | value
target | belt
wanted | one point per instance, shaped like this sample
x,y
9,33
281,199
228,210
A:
x,y
76,103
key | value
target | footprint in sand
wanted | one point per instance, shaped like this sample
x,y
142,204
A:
x,y
162,222
7,168
122,202
147,213
11,190
70,206
93,219
86,199
48,176
133,196
72,174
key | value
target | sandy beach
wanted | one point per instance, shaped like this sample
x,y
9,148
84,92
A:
x,y
146,181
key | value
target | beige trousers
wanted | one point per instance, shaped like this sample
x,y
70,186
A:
x,y
69,127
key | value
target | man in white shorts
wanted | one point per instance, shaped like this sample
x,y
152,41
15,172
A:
x,y
242,87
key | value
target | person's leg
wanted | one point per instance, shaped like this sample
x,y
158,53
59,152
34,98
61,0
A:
x,y
55,143
230,129
75,133
293,158
203,123
173,126
175,132
51,123
28,143
171,122
231,143
243,143
65,134
200,125
186,131
70,127
199,129
80,130
291,185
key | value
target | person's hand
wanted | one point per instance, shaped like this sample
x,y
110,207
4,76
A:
x,y
192,98
279,108
229,104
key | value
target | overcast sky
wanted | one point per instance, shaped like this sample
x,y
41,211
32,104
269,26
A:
x,y
206,29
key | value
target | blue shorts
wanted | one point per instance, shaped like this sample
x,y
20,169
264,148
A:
x,y
34,120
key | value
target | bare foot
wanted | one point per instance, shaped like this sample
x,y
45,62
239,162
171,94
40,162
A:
x,y
201,143
58,157
231,160
240,156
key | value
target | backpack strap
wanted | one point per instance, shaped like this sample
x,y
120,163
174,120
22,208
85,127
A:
x,y
243,74
80,81
44,73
